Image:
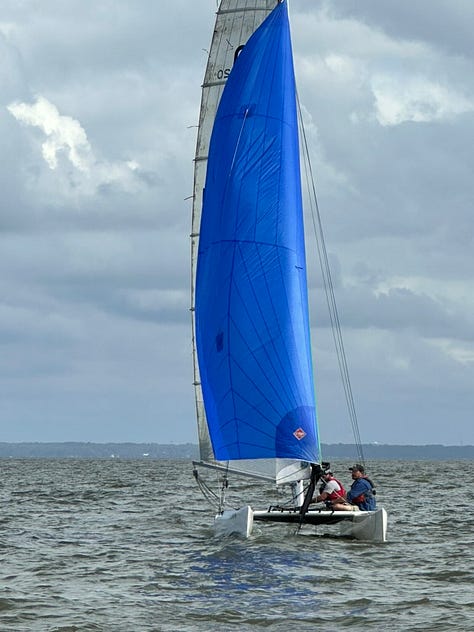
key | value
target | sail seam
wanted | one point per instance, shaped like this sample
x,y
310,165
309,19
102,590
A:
x,y
212,84
241,10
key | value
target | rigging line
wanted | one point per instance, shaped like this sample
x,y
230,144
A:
x,y
329,290
246,113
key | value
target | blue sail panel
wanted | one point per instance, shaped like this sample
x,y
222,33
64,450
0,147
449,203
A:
x,y
251,308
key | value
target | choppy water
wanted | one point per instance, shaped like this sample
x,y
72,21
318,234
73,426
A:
x,y
118,546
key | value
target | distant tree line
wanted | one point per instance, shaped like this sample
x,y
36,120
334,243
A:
x,y
79,450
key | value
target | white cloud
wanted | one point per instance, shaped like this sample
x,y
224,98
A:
x,y
461,354
343,66
65,136
403,98
63,133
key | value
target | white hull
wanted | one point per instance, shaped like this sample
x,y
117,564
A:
x,y
234,522
367,525
370,526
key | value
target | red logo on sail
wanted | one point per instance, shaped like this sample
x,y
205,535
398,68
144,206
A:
x,y
299,434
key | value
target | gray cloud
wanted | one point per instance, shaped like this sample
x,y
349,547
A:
x,y
99,106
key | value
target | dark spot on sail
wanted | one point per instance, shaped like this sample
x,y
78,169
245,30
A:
x,y
220,341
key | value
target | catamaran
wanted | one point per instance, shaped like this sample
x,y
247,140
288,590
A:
x,y
253,370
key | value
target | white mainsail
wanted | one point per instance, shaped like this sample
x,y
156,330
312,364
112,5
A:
x,y
235,22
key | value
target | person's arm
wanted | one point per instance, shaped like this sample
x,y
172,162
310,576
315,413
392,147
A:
x,y
324,494
321,497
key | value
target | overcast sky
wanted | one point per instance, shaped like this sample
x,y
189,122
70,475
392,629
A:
x,y
99,106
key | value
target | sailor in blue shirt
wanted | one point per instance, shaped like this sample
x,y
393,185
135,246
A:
x,y
361,493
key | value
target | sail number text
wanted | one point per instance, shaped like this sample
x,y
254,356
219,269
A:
x,y
223,73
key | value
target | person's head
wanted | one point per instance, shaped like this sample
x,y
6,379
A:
x,y
357,471
327,475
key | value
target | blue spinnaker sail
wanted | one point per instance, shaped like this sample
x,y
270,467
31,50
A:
x,y
251,308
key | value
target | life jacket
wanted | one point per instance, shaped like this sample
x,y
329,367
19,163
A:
x,y
367,494
339,494
365,500
371,484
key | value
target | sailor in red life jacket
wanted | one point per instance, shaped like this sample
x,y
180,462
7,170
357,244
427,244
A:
x,y
331,492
